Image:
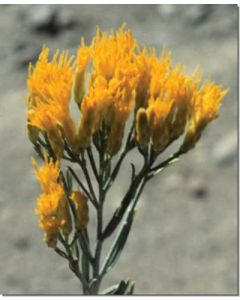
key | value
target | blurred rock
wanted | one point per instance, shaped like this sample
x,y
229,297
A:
x,y
48,19
198,189
22,244
197,13
225,150
25,52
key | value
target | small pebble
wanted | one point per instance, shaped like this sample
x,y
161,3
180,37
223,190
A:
x,y
198,189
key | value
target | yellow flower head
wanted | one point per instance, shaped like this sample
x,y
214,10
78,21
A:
x,y
159,113
48,174
111,51
49,86
110,96
51,80
52,206
206,103
54,214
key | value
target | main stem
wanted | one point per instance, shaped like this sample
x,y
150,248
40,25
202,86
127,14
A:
x,y
97,259
101,196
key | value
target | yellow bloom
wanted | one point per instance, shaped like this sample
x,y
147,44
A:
x,y
51,80
81,207
123,100
159,116
151,74
49,86
110,97
54,215
52,206
144,62
111,51
180,88
47,174
41,118
206,103
94,108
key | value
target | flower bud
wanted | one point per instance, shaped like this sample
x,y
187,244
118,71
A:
x,y
79,87
64,215
115,138
142,128
81,206
70,133
52,233
56,142
87,125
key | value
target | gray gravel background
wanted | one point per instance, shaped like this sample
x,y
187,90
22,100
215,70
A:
x,y
184,239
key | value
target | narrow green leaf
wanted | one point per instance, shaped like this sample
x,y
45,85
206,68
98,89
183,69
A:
x,y
110,290
133,171
84,246
130,288
61,253
69,181
119,243
120,211
123,285
38,149
92,284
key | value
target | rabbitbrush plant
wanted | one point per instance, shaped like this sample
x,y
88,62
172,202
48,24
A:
x,y
112,81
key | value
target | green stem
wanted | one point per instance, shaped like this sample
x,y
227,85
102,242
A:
x,y
74,264
82,186
82,164
92,162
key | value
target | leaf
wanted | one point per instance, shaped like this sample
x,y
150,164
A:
x,y
92,284
120,211
121,288
110,290
38,149
84,246
133,171
69,181
130,288
61,253
119,243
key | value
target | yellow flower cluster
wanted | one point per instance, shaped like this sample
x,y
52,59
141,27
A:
x,y
50,86
174,104
123,78
53,208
